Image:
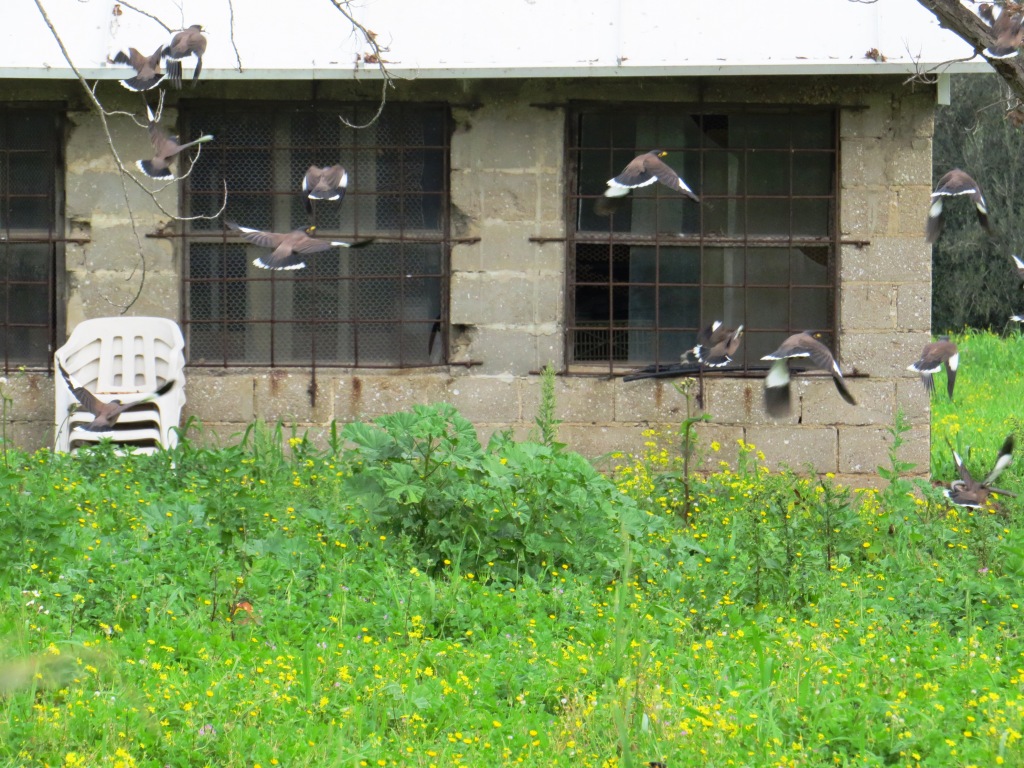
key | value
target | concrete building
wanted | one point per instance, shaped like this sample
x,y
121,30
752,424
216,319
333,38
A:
x,y
478,182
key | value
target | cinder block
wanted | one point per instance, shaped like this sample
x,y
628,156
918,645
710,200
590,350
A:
x,y
737,401
504,298
868,306
594,441
886,260
914,307
364,397
31,396
529,137
863,449
910,162
649,400
875,121
820,403
866,211
219,396
485,399
578,399
797,447
31,435
911,209
863,162
283,394
882,355
508,196
509,350
913,399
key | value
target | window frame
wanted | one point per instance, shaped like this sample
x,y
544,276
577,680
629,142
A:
x,y
307,279
665,355
53,236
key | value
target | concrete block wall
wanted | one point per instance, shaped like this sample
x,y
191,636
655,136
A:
x,y
507,291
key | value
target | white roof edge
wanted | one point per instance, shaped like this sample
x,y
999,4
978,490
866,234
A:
x,y
460,73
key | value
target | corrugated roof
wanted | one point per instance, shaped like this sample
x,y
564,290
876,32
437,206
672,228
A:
x,y
494,38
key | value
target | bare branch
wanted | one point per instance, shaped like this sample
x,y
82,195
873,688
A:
x,y
144,13
376,56
238,58
973,30
124,174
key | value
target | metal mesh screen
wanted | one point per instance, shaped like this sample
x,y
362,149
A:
x,y
29,233
647,271
374,306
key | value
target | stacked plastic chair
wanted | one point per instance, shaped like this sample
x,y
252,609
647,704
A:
x,y
122,358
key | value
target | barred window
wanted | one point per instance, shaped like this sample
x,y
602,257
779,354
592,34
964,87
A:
x,y
378,306
758,250
31,232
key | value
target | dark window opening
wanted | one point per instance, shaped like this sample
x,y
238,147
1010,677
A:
x,y
369,307
649,270
31,231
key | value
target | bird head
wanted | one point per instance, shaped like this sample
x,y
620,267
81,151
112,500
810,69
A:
x,y
661,153
311,230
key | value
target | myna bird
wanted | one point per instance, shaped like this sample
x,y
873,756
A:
x,y
106,414
327,183
968,492
188,42
935,355
289,248
643,170
147,69
1020,267
716,345
1007,31
776,384
164,150
953,184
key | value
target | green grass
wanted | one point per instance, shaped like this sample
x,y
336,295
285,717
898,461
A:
x,y
420,600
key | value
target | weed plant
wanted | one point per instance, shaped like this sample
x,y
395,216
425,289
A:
x,y
410,597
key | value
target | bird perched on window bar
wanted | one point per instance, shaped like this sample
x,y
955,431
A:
x,y
290,247
644,170
715,347
935,355
327,183
188,42
148,74
954,184
968,492
1007,30
165,148
776,384
106,414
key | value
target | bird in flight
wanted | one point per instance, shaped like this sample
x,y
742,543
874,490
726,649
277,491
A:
x,y
106,414
968,492
644,170
188,42
290,247
165,148
933,357
776,384
147,69
327,183
954,184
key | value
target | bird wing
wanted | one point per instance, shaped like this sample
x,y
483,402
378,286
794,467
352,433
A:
x,y
88,400
1004,460
257,237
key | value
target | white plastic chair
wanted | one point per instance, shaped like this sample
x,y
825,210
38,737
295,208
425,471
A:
x,y
124,358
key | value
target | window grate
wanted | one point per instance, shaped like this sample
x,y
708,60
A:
x,y
647,271
31,232
378,306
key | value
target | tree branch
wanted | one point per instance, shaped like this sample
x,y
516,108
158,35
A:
x,y
376,57
973,30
